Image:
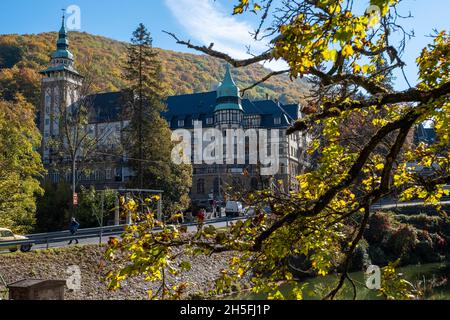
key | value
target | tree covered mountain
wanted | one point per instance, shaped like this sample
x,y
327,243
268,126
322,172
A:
x,y
23,56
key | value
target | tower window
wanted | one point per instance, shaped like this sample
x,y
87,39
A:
x,y
108,174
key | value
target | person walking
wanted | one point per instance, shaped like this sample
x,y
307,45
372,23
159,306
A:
x,y
73,228
214,208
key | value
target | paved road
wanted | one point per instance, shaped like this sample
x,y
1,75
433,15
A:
x,y
96,239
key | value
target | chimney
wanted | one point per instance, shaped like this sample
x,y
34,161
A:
x,y
267,96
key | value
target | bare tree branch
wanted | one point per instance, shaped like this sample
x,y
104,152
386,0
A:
x,y
217,54
267,77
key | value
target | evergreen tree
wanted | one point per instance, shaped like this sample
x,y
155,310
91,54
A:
x,y
147,140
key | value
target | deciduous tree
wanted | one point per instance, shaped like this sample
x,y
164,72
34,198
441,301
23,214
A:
x,y
20,165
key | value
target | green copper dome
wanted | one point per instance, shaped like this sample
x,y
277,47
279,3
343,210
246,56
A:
x,y
62,44
228,97
62,58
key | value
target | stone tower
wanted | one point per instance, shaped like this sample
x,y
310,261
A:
x,y
59,89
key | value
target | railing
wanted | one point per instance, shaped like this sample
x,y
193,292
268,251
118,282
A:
x,y
61,236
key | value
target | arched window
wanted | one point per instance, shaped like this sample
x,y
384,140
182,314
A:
x,y
200,186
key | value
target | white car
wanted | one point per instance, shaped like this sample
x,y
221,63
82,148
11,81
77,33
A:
x,y
234,209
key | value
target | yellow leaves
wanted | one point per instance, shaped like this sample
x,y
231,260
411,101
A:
x,y
275,296
234,261
434,64
347,50
356,68
334,8
298,293
379,122
329,55
360,28
20,164
365,68
289,276
304,184
314,145
243,5
358,44
322,273
154,198
394,287
238,10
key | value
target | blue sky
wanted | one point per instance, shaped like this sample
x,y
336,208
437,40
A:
x,y
202,21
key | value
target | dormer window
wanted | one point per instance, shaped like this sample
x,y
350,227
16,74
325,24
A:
x,y
277,121
180,123
209,120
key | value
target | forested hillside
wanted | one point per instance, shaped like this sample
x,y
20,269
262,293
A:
x,y
23,56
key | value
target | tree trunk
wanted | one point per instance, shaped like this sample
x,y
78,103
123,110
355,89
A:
x,y
141,140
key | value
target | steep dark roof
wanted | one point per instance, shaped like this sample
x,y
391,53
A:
x,y
190,104
293,110
107,107
200,106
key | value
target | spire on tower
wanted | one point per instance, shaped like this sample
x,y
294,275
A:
x,y
63,24
62,58
228,93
